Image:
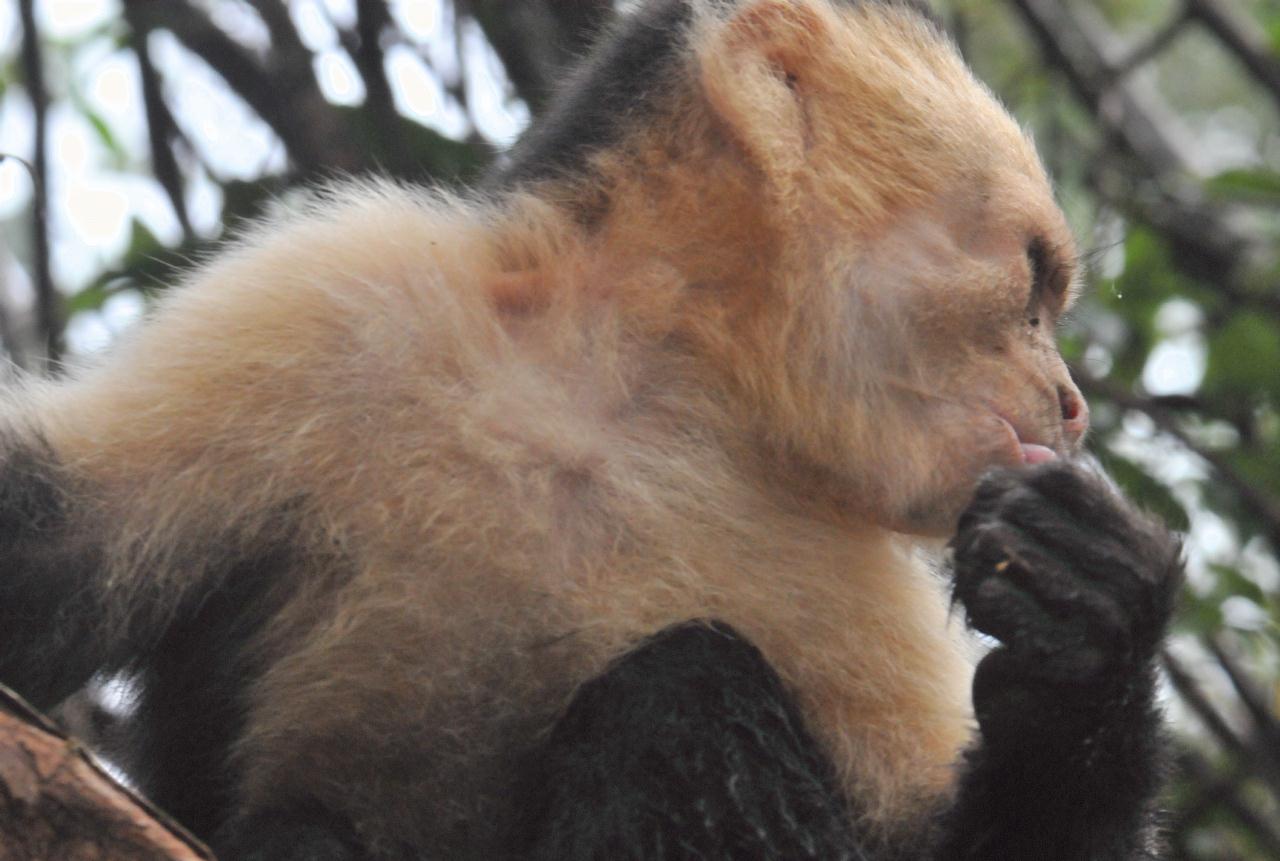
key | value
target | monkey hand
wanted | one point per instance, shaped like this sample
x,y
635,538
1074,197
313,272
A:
x,y
1075,583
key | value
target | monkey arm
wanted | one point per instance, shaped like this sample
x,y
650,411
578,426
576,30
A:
x,y
1078,587
689,747
1060,774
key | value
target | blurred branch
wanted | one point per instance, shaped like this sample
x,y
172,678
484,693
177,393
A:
x,y
161,129
1077,52
372,20
1261,504
1228,798
1205,241
284,36
1152,47
537,39
1263,717
1195,699
1250,756
1243,38
48,316
9,340
281,91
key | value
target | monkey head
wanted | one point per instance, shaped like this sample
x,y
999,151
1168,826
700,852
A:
x,y
918,260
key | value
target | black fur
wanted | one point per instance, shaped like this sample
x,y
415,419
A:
x,y
297,834
614,86
46,557
1079,588
193,684
191,665
687,748
613,89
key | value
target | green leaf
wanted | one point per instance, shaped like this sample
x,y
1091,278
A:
x,y
88,299
413,150
143,244
119,158
1244,358
1261,186
1200,616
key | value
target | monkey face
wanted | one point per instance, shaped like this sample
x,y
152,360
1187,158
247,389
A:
x,y
964,295
927,262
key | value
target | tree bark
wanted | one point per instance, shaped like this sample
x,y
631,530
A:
x,y
56,802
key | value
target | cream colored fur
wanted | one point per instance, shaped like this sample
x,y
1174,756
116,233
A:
x,y
519,445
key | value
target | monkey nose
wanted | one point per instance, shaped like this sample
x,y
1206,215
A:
x,y
1075,413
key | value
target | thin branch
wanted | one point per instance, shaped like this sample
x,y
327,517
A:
x,y
537,39
1244,38
8,333
1247,755
1205,241
1195,699
1261,504
161,128
48,313
1154,45
283,95
1258,827
1078,53
284,36
1209,793
372,20
1253,699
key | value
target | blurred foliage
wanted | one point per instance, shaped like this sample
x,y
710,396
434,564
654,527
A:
x,y
1160,120
1165,142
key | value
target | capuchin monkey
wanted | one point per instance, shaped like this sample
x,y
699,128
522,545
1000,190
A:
x,y
581,516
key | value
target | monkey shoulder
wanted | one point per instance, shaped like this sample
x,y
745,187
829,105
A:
x,y
687,746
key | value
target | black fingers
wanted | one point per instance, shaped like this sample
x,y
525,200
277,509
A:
x,y
1078,587
1056,565
687,748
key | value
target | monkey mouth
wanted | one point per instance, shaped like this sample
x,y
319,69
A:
x,y
1028,453
1033,453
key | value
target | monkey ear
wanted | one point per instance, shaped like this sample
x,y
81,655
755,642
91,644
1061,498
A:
x,y
753,69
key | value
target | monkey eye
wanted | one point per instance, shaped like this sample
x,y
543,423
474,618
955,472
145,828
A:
x,y
1038,258
1050,270
1048,279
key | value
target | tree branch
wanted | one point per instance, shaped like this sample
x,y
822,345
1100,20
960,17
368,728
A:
x,y
1206,243
1244,38
372,20
282,93
1259,827
160,126
537,39
1263,506
48,313
56,802
1253,699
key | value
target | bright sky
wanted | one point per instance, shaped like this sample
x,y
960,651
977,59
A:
x,y
94,196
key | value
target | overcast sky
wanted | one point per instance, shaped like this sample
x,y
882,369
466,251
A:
x,y
94,198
